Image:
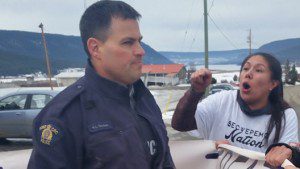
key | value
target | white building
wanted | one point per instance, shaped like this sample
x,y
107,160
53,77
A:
x,y
168,74
68,76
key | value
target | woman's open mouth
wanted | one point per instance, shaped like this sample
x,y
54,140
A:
x,y
246,87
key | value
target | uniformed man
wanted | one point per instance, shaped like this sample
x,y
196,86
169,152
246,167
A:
x,y
107,119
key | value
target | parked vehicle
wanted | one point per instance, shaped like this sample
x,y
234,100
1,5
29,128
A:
x,y
18,109
221,86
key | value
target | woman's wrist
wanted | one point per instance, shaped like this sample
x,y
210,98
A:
x,y
196,92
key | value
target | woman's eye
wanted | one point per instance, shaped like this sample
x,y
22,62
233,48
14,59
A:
x,y
259,70
245,68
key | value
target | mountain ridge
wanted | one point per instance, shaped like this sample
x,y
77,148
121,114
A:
x,y
23,52
281,49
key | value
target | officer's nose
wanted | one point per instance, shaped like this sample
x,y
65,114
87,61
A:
x,y
139,51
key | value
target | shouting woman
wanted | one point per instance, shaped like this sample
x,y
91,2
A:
x,y
253,117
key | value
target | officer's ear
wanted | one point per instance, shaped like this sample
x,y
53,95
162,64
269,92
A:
x,y
94,48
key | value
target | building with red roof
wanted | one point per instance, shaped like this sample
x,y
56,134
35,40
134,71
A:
x,y
167,74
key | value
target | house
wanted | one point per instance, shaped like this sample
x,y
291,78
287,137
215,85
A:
x,y
68,76
162,75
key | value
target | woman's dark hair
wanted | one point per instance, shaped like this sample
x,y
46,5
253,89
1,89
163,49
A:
x,y
278,104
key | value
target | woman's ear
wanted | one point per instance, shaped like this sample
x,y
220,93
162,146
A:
x,y
94,46
274,84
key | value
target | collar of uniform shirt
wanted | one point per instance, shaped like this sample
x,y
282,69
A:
x,y
131,93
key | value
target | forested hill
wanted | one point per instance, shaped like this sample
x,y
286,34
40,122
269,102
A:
x,y
23,52
282,50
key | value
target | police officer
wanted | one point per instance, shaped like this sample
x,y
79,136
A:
x,y
107,119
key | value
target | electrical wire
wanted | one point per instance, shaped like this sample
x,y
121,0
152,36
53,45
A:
x,y
188,27
225,36
212,4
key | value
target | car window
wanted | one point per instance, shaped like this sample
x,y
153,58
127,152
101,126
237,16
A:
x,y
222,87
39,101
227,88
15,102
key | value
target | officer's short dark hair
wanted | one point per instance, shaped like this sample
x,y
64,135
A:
x,y
96,20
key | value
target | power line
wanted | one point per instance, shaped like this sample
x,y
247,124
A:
x,y
226,37
212,4
188,26
197,32
233,21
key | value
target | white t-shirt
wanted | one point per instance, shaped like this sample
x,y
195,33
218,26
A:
x,y
220,117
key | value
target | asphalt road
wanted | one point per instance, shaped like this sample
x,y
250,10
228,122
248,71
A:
x,y
15,144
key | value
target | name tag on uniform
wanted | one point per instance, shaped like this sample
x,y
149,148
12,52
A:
x,y
100,126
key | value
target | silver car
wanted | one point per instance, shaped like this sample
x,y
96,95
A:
x,y
221,86
18,109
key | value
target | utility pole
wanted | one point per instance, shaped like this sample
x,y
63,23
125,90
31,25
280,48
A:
x,y
206,34
249,40
206,40
46,55
84,4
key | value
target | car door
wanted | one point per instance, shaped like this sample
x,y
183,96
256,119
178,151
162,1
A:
x,y
12,111
36,103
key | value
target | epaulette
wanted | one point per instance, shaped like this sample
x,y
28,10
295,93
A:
x,y
47,128
64,98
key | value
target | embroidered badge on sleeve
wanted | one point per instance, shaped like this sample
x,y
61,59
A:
x,y
49,134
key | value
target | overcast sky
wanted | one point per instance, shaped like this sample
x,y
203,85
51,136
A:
x,y
170,25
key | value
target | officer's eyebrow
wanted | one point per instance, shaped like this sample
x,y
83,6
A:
x,y
132,39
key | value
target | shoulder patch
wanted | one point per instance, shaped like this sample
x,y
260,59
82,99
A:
x,y
49,133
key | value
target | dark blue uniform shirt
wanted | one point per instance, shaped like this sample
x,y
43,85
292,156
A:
x,y
91,125
145,130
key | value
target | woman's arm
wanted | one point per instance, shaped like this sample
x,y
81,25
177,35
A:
x,y
184,115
